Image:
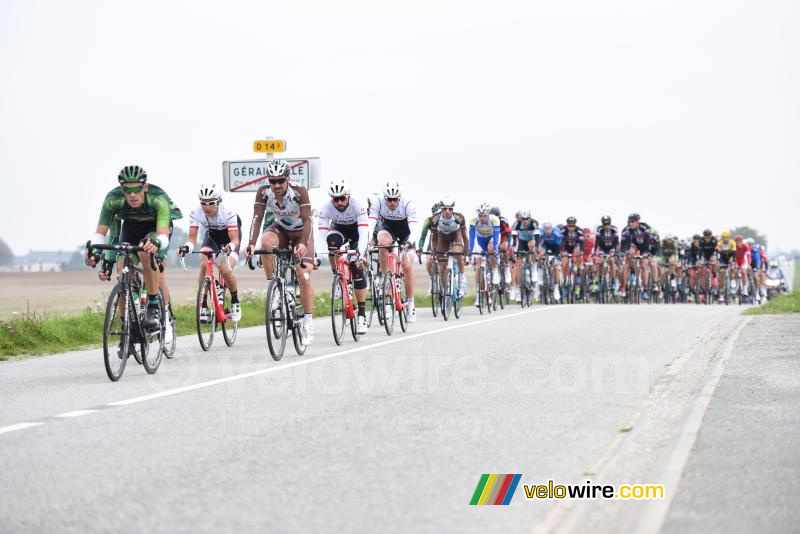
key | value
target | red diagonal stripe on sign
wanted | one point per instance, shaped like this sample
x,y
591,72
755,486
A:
x,y
251,182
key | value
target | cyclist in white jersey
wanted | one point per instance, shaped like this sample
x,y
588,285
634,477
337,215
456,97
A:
x,y
345,220
223,231
396,220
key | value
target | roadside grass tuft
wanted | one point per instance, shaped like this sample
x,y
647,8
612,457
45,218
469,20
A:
x,y
788,303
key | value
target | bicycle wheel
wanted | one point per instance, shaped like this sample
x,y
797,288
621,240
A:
x,y
169,348
208,324
354,320
370,301
387,303
481,295
402,313
276,318
378,301
116,333
295,317
436,295
458,302
151,358
229,328
447,296
338,311
502,296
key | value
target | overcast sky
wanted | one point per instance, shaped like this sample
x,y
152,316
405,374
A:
x,y
685,111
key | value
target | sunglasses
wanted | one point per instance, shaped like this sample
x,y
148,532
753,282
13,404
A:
x,y
277,181
133,190
447,209
209,203
389,199
339,199
526,218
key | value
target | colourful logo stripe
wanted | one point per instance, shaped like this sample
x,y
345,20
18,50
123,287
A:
x,y
511,489
488,489
478,490
503,489
498,484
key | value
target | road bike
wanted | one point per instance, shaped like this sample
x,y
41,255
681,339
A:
x,y
343,308
528,280
124,332
392,299
448,298
212,289
284,310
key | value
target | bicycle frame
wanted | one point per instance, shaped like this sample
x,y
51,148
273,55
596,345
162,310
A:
x,y
219,308
343,259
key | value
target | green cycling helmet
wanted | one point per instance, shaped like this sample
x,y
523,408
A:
x,y
132,173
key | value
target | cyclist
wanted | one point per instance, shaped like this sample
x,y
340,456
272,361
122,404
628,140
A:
x,y
485,227
505,234
743,262
588,246
655,254
550,242
673,269
525,234
636,241
694,258
606,243
426,226
758,267
395,219
573,246
345,220
708,248
141,213
726,251
449,232
223,230
292,227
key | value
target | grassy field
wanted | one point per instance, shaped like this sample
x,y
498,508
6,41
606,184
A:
x,y
788,303
33,332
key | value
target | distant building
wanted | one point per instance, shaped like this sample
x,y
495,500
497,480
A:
x,y
39,261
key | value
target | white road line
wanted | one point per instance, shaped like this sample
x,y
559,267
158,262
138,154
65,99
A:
x,y
654,513
362,348
18,426
77,413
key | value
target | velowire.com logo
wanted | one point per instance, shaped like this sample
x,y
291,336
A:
x,y
495,489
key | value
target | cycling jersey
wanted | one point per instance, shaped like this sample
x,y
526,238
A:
x,y
526,232
606,240
743,255
755,257
638,237
426,227
292,214
400,222
726,247
708,247
484,231
654,247
572,238
669,249
505,229
352,222
157,208
695,255
588,247
552,242
216,227
446,232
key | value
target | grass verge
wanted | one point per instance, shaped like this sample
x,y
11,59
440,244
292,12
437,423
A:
x,y
788,303
32,333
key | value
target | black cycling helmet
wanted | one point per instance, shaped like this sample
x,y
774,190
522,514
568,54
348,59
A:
x,y
634,217
132,173
696,237
707,233
606,219
495,211
572,220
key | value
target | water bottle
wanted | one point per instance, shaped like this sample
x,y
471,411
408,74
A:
x,y
136,302
221,294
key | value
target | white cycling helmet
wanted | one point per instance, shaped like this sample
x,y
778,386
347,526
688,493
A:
x,y
392,189
483,208
525,214
448,202
547,225
209,192
338,187
277,168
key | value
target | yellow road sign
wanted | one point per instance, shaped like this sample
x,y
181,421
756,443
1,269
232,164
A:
x,y
269,145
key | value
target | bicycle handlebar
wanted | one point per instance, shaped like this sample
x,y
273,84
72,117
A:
x,y
278,252
124,248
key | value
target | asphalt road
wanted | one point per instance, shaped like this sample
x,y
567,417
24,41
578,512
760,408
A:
x,y
390,434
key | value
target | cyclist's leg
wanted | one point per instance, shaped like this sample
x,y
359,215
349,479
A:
x,y
304,272
273,237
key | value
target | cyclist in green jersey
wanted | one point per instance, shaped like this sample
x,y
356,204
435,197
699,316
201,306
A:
x,y
426,227
139,213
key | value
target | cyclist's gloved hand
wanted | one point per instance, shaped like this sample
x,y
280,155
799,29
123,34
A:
x,y
183,251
